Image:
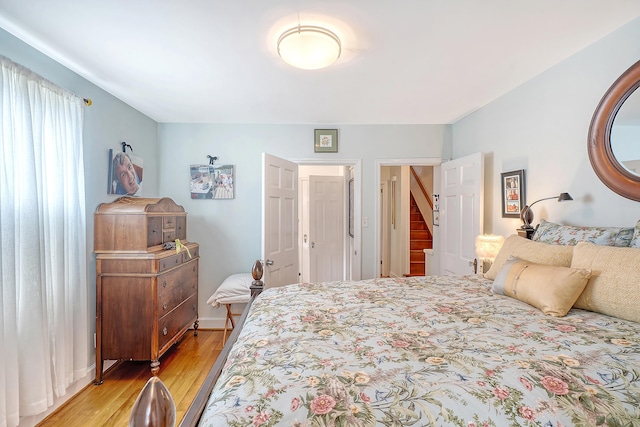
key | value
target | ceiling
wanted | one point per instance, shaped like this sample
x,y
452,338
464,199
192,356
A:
x,y
403,62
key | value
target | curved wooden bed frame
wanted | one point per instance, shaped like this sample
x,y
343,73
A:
x,y
193,414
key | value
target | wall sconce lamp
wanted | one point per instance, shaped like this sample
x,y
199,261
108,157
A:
x,y
527,214
487,247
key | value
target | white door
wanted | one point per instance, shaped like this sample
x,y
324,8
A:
x,y
279,221
326,228
461,212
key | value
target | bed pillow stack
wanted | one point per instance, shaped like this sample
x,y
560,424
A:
x,y
567,266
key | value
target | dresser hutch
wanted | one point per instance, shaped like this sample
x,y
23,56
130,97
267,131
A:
x,y
146,291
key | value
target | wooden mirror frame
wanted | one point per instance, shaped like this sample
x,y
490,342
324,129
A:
x,y
603,161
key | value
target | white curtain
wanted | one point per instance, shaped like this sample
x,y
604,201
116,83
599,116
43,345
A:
x,y
43,303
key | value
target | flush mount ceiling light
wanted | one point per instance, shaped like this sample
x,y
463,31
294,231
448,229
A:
x,y
309,47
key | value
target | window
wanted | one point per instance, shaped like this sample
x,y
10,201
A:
x,y
43,303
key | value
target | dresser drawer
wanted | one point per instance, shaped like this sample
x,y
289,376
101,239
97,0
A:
x,y
180,318
176,286
168,236
195,253
168,221
181,227
169,262
154,231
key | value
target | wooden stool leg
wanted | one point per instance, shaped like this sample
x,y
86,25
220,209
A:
x,y
228,319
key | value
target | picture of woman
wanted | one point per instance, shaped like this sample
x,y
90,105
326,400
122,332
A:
x,y
125,174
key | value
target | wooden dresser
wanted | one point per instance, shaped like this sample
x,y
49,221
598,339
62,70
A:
x,y
146,296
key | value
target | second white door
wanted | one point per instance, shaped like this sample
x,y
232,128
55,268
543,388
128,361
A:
x,y
326,228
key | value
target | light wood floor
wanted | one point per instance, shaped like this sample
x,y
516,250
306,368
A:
x,y
182,369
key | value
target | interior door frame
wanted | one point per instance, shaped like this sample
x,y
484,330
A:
x,y
379,163
357,206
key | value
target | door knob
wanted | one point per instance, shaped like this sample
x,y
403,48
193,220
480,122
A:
x,y
474,264
269,262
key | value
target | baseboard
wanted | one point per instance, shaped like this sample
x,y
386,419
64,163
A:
x,y
212,322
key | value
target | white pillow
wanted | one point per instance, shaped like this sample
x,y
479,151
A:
x,y
234,290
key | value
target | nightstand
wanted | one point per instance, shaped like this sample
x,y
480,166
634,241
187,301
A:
x,y
526,232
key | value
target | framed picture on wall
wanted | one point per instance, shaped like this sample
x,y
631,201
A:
x,y
124,174
212,182
513,193
325,141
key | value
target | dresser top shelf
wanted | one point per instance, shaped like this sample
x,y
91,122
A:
x,y
139,205
138,225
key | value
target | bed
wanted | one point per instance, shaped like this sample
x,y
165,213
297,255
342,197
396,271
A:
x,y
550,338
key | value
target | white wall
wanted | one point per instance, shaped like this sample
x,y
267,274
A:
x,y
542,127
229,231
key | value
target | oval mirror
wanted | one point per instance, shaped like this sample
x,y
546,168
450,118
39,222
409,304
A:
x,y
614,136
625,134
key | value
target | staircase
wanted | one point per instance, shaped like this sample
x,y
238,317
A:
x,y
420,239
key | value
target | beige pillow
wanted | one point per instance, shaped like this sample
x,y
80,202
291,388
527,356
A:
x,y
528,250
550,288
614,287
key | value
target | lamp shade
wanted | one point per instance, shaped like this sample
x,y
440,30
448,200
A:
x,y
309,47
488,246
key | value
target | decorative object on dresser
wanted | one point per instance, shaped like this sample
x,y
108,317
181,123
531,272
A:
x,y
146,295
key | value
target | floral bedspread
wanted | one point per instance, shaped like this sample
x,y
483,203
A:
x,y
424,351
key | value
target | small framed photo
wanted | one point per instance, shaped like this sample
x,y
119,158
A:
x,y
513,193
325,141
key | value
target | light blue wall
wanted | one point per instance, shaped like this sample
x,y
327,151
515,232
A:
x,y
106,123
229,231
542,127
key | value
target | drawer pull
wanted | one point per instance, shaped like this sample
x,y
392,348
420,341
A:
x,y
194,307
164,284
176,260
164,306
194,268
164,331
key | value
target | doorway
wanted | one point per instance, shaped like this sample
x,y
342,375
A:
x,y
393,240
349,237
323,226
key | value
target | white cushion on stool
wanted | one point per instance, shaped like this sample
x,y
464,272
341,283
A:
x,y
234,290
